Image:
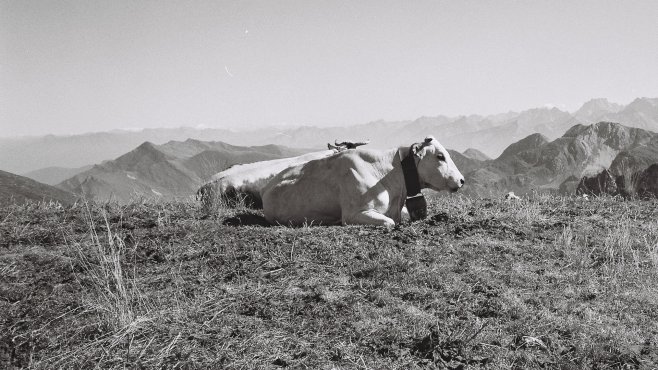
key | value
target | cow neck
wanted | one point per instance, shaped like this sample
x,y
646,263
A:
x,y
410,172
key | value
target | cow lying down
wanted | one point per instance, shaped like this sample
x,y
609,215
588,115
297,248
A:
x,y
242,183
357,186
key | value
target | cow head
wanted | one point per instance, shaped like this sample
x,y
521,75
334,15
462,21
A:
x,y
436,169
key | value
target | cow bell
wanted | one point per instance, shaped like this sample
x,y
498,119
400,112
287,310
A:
x,y
417,207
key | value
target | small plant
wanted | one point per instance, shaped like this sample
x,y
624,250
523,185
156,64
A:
x,y
566,239
652,250
101,262
450,349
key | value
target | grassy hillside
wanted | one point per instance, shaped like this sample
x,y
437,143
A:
x,y
546,282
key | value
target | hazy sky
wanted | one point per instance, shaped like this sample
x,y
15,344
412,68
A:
x,y
80,66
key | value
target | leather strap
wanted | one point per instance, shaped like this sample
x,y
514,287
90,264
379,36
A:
x,y
410,171
415,202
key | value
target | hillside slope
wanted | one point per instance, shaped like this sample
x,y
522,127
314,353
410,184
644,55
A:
x,y
19,189
635,159
476,154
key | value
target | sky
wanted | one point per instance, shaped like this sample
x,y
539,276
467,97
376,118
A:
x,y
69,67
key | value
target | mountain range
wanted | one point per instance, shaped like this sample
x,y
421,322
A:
x,y
490,135
176,169
537,163
172,170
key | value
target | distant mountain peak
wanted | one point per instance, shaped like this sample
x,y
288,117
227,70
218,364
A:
x,y
642,103
529,142
147,145
191,140
145,152
473,153
599,103
608,126
602,128
595,109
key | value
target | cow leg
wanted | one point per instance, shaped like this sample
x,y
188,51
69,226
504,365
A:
x,y
404,214
369,217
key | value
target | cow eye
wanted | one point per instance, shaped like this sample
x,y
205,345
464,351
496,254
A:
x,y
441,157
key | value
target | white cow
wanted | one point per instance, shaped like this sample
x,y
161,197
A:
x,y
356,187
243,182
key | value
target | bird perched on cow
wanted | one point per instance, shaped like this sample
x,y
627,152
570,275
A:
x,y
344,145
358,186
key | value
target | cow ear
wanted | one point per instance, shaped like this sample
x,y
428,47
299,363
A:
x,y
418,150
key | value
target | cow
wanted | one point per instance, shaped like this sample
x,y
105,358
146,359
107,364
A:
x,y
242,183
358,187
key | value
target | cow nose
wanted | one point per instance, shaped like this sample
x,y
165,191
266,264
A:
x,y
461,182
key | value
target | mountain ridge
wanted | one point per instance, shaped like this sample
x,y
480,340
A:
x,y
20,189
535,163
54,175
169,171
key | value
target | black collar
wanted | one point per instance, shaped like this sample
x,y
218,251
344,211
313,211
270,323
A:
x,y
415,202
410,171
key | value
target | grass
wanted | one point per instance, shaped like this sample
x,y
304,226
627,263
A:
x,y
545,282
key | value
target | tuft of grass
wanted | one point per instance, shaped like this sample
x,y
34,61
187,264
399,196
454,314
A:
x,y
101,263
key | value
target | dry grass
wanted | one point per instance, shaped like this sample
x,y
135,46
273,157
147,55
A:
x,y
102,268
547,282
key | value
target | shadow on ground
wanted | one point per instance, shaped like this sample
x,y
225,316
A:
x,y
246,219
